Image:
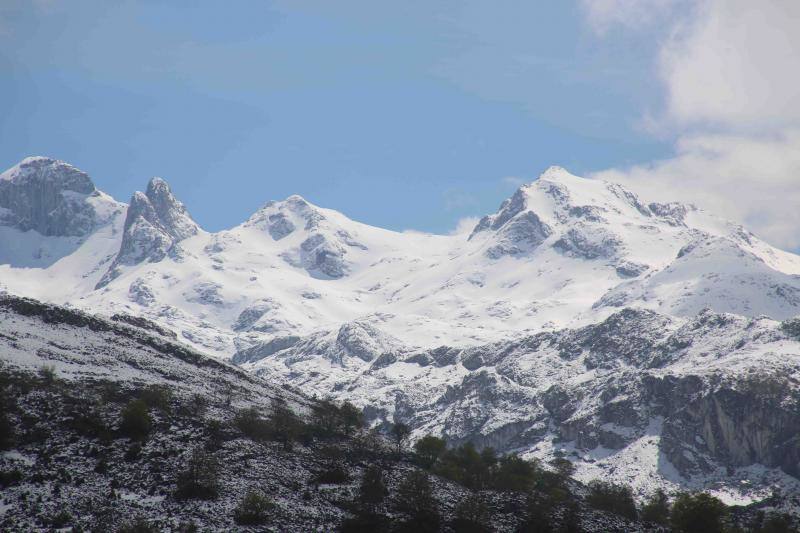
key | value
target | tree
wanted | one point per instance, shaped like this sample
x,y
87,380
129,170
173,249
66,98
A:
x,y
428,450
400,433
538,510
284,423
249,422
656,509
199,478
613,498
351,418
698,513
514,473
373,490
136,422
416,501
563,467
472,516
253,510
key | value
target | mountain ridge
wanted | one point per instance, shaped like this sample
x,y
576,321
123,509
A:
x,y
578,279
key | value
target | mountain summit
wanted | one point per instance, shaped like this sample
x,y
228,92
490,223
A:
x,y
155,223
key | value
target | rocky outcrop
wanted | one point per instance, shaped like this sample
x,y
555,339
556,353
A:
x,y
155,223
48,196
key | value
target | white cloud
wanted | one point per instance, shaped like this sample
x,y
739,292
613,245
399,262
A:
x,y
465,226
754,180
737,63
731,76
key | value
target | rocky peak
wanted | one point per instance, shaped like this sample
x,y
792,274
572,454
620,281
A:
x,y
48,196
155,223
171,213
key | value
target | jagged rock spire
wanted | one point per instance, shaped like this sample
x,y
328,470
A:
x,y
156,222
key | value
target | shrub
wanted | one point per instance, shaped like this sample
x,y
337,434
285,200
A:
x,y
514,474
416,501
60,520
10,478
613,498
774,523
698,513
538,510
428,449
400,433
333,476
329,420
253,510
284,423
472,516
365,523
465,466
136,422
88,423
199,478
656,509
138,525
6,430
249,422
47,373
215,435
563,467
133,452
372,490
157,397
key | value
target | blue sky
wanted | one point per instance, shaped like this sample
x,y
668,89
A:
x,y
407,115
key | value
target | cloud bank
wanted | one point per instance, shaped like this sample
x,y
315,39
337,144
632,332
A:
x,y
731,78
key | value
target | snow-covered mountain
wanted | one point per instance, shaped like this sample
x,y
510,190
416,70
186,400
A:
x,y
490,336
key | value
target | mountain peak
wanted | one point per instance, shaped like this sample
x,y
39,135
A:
x,y
155,223
48,196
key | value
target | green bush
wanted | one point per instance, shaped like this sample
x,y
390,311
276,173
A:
x,y
329,420
428,449
47,374
372,490
9,478
656,509
284,425
157,396
6,430
415,500
514,474
136,422
253,510
251,424
60,520
613,498
400,433
698,513
333,476
465,466
199,478
472,516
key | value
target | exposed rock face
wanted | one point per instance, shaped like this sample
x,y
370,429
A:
x,y
156,222
47,196
689,391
